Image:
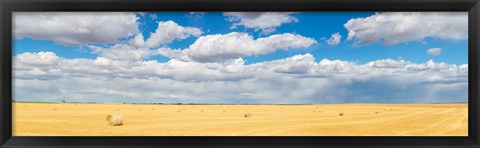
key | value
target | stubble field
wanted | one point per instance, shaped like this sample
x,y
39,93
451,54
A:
x,y
57,119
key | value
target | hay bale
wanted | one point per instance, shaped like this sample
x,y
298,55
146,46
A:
x,y
153,108
246,115
115,120
202,111
378,112
179,110
319,111
341,114
54,109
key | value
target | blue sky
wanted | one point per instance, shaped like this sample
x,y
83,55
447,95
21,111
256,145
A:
x,y
317,25
400,42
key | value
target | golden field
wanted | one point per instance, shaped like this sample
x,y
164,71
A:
x,y
51,119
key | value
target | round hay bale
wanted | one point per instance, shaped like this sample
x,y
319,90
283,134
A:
x,y
246,115
341,114
115,120
54,109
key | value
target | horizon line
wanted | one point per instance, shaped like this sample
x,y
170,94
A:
x,y
232,103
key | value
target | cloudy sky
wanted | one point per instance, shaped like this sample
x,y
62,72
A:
x,y
241,57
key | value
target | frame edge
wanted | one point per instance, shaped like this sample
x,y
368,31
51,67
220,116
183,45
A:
x,y
5,77
474,65
6,63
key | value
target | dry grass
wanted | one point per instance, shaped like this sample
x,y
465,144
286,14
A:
x,y
39,119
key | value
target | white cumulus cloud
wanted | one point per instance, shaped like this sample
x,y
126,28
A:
x,y
39,58
334,39
266,22
296,79
197,14
434,51
298,64
169,31
137,41
74,28
122,52
397,27
220,47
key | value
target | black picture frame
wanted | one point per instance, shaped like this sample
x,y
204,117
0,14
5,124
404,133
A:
x,y
9,6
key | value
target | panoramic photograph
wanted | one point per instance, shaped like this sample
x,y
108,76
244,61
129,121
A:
x,y
240,74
